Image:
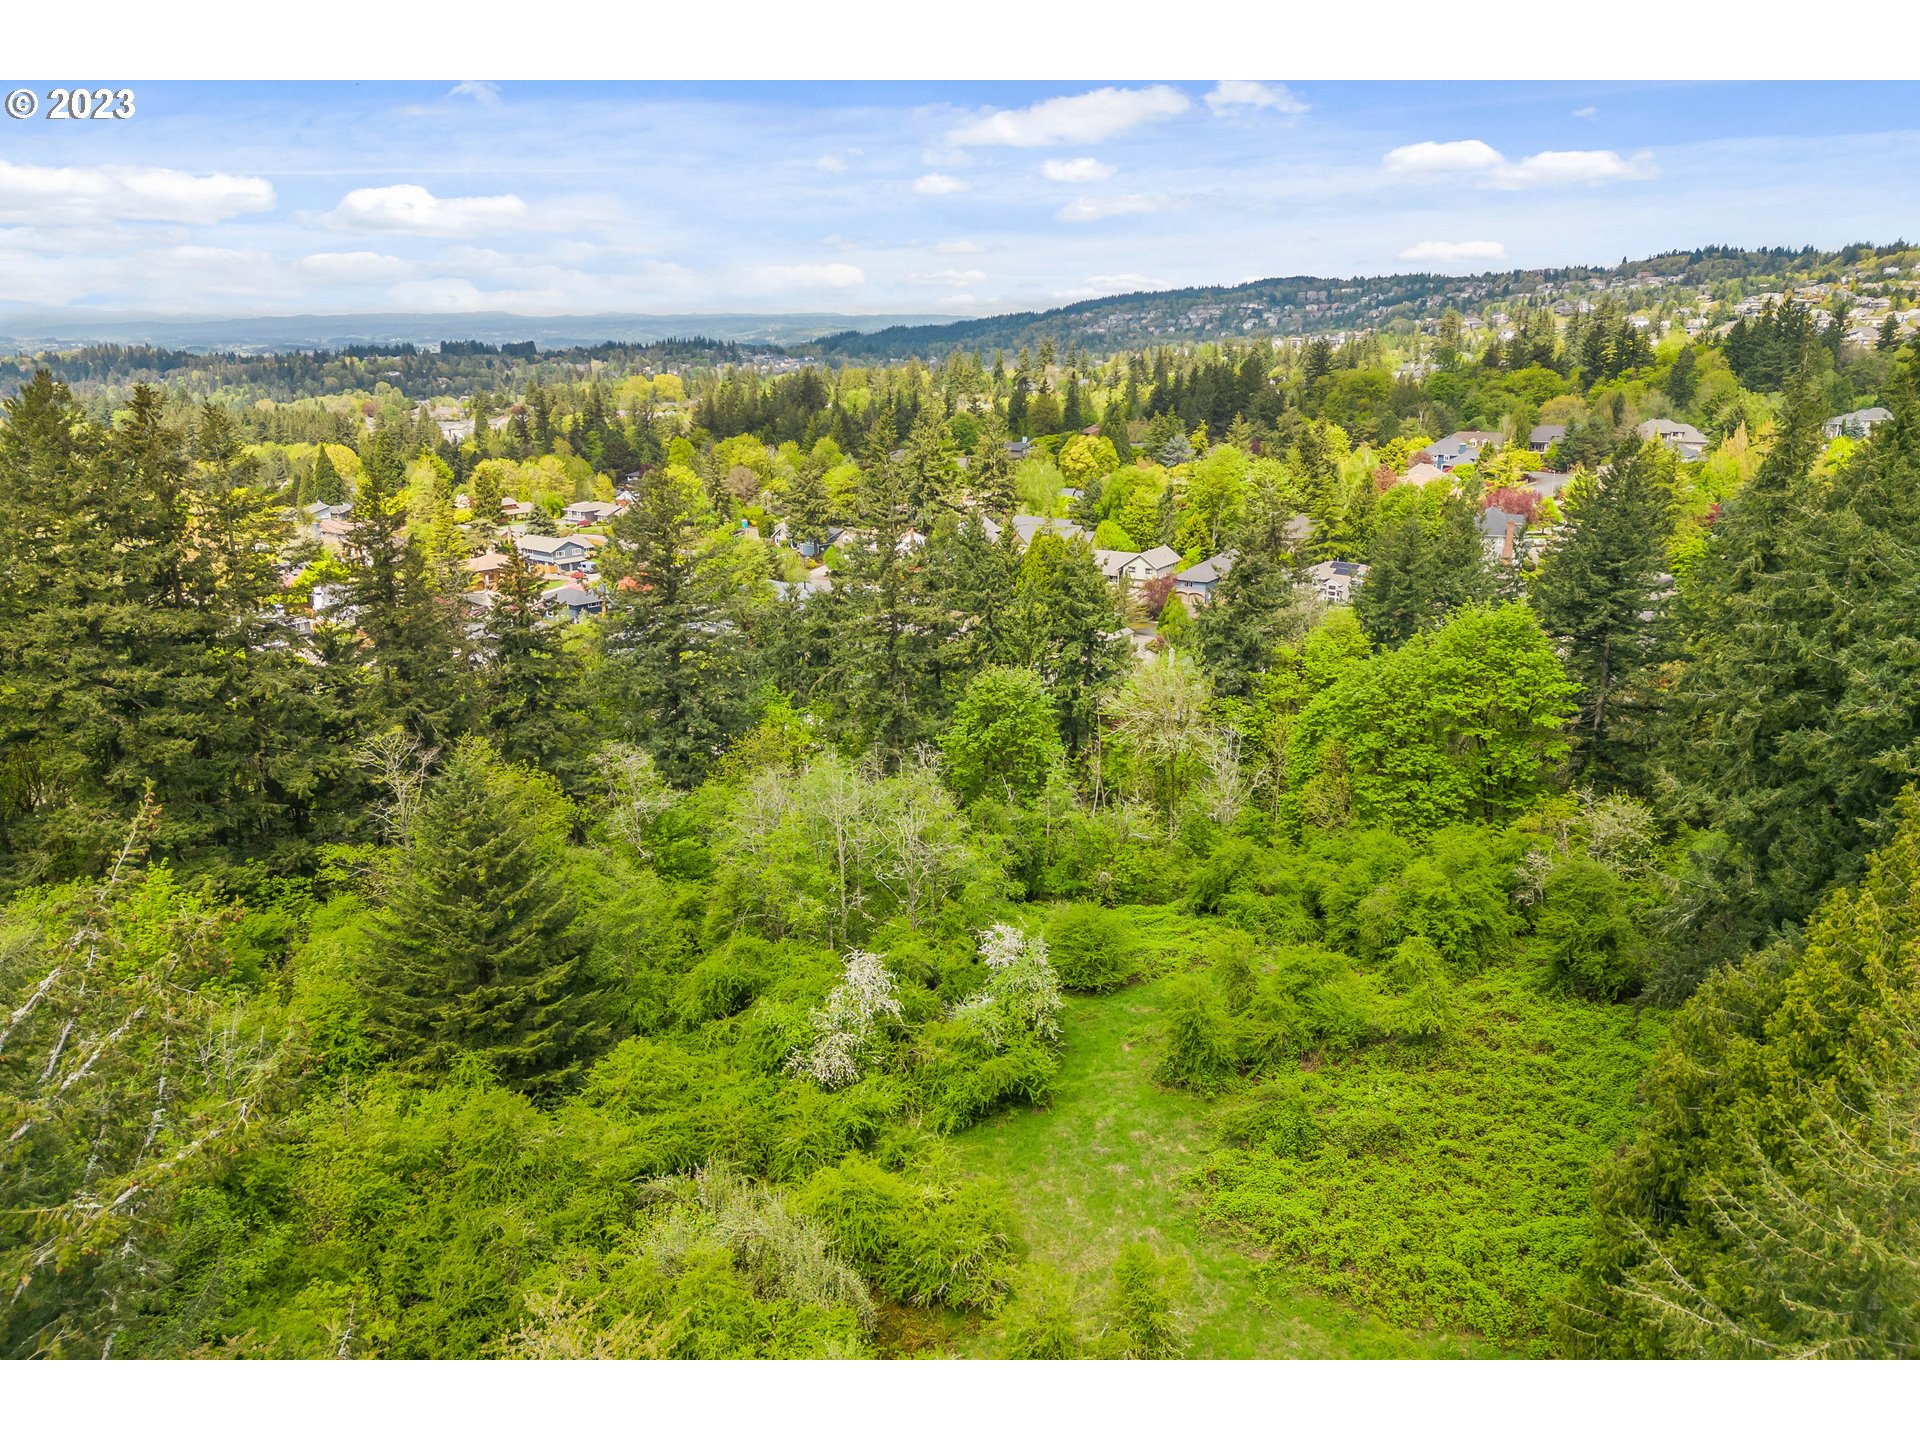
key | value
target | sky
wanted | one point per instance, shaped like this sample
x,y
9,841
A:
x,y
242,198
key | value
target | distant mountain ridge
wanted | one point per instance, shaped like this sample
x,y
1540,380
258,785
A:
x,y
1301,305
1297,305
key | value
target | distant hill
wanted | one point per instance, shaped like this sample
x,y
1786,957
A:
x,y
278,333
1309,305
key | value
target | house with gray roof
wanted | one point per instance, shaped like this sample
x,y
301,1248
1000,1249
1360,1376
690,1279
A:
x,y
1678,436
1856,424
1197,582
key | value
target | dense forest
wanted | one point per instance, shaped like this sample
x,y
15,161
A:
x,y
839,917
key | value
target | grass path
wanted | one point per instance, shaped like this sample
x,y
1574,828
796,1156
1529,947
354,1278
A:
x,y
1100,1167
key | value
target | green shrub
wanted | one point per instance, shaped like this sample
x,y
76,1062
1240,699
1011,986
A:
x,y
958,1076
916,1240
1215,876
1041,1321
1141,1317
1200,1052
722,984
1089,948
1584,927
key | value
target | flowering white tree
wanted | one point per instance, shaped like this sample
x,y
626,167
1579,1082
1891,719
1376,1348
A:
x,y
1022,992
637,794
843,1028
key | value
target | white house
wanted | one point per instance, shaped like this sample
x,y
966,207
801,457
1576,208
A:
x,y
1336,580
1857,424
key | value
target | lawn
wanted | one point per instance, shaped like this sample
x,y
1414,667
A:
x,y
1101,1166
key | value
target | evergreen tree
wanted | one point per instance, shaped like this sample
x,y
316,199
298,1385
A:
x,y
478,952
886,675
674,667
531,687
991,474
1071,629
1599,596
1794,719
1421,569
1257,607
415,649
326,486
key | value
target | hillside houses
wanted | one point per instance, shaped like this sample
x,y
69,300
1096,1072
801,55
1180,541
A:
x,y
1463,447
1856,424
1134,566
1678,436
1196,583
1336,580
563,554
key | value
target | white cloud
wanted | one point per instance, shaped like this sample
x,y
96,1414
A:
x,y
1570,167
937,184
351,267
95,194
452,293
1452,157
832,164
1455,252
958,247
835,275
1099,286
1076,172
1102,207
1548,167
487,92
949,277
1253,95
1073,119
1585,112
415,210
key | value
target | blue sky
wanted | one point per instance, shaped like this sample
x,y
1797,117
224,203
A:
x,y
548,198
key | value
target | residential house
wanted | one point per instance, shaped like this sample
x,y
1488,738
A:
x,y
487,568
1336,580
591,512
567,554
1420,472
1161,561
1124,567
1678,436
1500,532
1543,438
817,582
1463,447
1196,583
1028,526
1018,450
1298,530
1857,424
575,601
334,535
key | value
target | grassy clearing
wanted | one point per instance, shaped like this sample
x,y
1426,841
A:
x,y
1102,1166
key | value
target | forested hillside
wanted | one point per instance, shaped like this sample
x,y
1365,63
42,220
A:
x,y
1402,846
